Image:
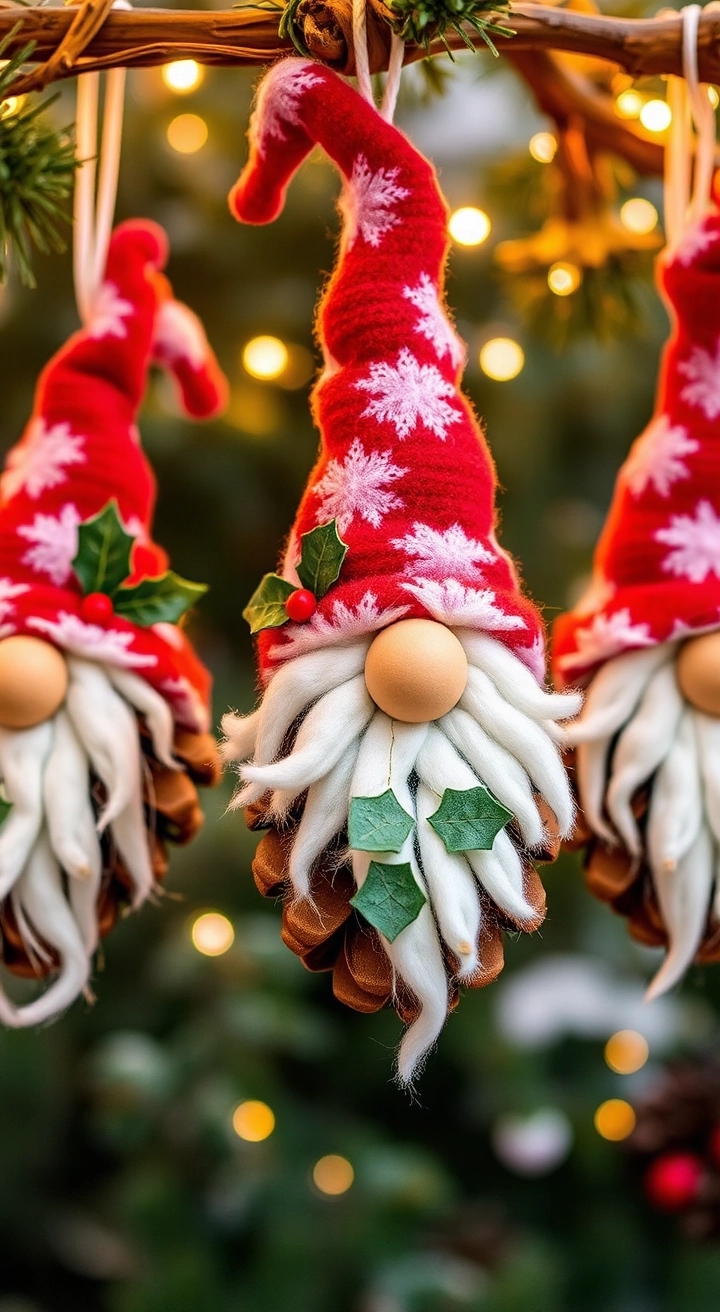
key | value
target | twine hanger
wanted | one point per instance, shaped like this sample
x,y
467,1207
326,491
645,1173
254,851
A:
x,y
689,102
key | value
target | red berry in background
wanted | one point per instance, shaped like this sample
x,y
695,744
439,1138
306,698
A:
x,y
672,1182
96,608
301,605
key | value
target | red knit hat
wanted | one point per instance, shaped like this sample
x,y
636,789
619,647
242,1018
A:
x,y
657,564
404,469
81,451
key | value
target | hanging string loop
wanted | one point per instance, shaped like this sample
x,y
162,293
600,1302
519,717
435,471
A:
x,y
689,103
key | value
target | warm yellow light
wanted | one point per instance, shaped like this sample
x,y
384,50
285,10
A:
x,y
713,97
564,279
333,1174
265,357
626,1052
543,147
10,106
629,104
212,934
183,75
253,1121
469,226
615,1119
656,115
187,133
639,215
502,359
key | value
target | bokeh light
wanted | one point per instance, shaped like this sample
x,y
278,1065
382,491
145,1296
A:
x,y
626,1052
265,357
183,75
639,215
253,1121
187,133
564,278
629,104
11,105
502,359
212,934
469,226
713,96
543,147
333,1175
615,1119
656,115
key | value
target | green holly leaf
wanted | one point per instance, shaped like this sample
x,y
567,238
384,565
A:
x,y
104,549
266,607
470,820
378,824
5,809
389,899
160,600
323,552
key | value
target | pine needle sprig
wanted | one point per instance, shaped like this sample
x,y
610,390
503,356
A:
x,y
37,165
420,22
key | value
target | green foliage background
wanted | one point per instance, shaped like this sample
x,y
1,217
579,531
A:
x,y
122,1185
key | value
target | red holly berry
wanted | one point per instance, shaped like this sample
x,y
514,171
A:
x,y
672,1181
301,604
96,608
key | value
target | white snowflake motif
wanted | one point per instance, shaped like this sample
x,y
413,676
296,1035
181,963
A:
x,y
358,486
344,624
109,312
8,591
696,544
433,323
179,335
279,99
368,202
534,657
408,393
694,241
81,639
40,460
55,539
452,604
703,370
439,553
187,704
606,636
656,457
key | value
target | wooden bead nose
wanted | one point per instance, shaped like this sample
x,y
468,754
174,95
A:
x,y
33,681
416,671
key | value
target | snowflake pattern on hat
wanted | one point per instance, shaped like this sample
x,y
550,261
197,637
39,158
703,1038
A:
x,y
657,564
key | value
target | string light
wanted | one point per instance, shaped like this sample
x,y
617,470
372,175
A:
x,y
502,359
333,1175
212,934
265,357
469,226
543,147
253,1121
713,97
639,215
626,1052
187,133
11,105
656,115
615,1119
182,75
564,279
629,104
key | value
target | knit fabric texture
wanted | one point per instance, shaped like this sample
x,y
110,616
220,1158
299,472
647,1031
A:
x,y
404,467
81,449
657,564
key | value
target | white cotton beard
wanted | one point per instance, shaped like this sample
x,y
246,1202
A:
x,y
504,734
637,730
50,852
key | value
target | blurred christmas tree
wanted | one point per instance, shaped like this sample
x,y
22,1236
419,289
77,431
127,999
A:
x,y
217,1133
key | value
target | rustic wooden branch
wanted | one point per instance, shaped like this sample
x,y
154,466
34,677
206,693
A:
x,y
138,38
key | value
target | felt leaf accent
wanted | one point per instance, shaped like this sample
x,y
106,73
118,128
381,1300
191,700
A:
x,y
469,820
266,607
322,554
389,899
104,548
159,600
378,824
5,809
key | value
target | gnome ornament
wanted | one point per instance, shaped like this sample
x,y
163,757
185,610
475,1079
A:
x,y
402,757
646,637
104,711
